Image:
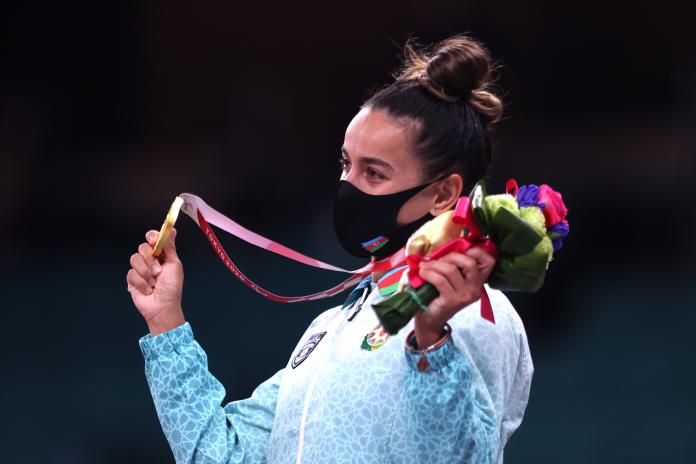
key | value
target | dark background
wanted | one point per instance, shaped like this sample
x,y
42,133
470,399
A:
x,y
110,109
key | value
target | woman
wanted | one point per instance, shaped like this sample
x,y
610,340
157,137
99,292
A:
x,y
449,387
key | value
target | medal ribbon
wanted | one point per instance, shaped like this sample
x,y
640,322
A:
x,y
204,216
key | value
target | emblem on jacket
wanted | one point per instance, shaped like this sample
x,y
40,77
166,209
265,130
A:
x,y
375,244
374,339
307,348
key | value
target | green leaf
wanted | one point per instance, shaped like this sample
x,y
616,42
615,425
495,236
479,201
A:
x,y
395,312
522,273
512,234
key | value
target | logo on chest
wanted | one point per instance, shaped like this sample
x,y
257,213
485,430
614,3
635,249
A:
x,y
307,348
375,339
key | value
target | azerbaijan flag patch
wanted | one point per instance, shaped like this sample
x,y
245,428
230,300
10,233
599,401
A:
x,y
389,282
375,244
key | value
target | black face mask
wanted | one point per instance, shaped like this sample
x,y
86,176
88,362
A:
x,y
366,224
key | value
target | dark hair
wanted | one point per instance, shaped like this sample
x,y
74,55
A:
x,y
443,94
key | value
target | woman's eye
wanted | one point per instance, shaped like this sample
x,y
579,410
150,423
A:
x,y
371,173
374,174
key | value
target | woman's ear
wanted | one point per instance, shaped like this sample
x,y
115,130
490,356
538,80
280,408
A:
x,y
448,192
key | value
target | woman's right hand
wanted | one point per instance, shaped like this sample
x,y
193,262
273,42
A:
x,y
155,284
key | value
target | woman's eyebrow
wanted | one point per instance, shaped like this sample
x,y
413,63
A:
x,y
371,160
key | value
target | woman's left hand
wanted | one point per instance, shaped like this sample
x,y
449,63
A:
x,y
458,278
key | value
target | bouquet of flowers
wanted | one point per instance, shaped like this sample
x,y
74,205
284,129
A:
x,y
521,228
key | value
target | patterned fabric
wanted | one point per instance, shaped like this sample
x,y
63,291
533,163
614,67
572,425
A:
x,y
344,404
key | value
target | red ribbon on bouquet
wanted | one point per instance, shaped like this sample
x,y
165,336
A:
x,y
463,216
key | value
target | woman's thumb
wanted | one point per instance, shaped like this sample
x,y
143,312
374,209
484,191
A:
x,y
170,247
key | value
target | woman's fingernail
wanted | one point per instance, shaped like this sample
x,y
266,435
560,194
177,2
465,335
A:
x,y
156,268
152,282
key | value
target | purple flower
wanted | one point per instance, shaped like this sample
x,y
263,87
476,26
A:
x,y
528,195
557,233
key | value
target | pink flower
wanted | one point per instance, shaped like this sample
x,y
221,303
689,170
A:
x,y
554,210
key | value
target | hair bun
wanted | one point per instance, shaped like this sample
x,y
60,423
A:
x,y
457,68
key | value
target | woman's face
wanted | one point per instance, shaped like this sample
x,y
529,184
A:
x,y
377,158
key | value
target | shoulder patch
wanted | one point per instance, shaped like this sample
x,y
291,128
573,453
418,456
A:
x,y
307,348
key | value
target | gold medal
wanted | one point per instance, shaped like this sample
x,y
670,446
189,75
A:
x,y
169,222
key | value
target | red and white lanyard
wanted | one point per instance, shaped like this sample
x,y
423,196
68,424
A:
x,y
204,216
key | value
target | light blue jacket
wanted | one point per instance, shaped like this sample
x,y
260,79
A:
x,y
351,394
